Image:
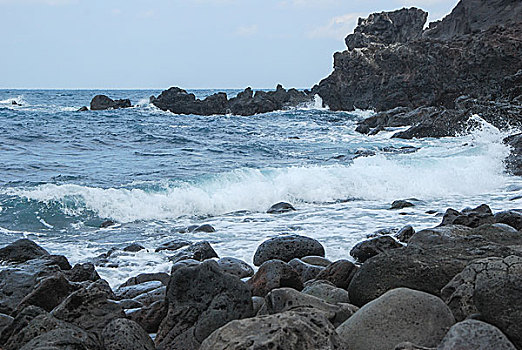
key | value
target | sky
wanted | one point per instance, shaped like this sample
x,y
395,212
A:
x,y
154,44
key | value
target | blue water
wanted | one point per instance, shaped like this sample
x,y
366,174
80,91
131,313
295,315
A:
x,y
62,173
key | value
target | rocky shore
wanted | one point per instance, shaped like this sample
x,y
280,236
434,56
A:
x,y
454,286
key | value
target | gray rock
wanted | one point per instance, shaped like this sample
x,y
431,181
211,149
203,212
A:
x,y
48,293
235,267
401,204
62,339
316,260
340,273
19,322
400,315
83,109
288,299
183,263
280,208
201,299
286,248
304,330
327,291
274,274
152,296
362,251
509,217
102,102
469,217
257,304
123,334
147,277
130,292
133,248
476,335
405,234
198,228
173,245
149,317
90,307
129,304
199,251
82,272
306,271
5,320
21,251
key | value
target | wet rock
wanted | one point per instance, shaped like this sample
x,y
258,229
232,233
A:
x,y
235,267
257,304
476,335
274,274
431,259
133,248
17,281
20,321
5,320
48,293
82,272
173,245
339,273
401,204
306,271
383,232
198,228
364,250
21,251
102,102
147,277
152,296
149,317
286,248
280,208
288,299
83,109
199,251
201,299
127,304
326,291
130,292
107,223
305,330
90,307
183,263
399,315
405,234
509,217
469,217
35,328
123,334
316,260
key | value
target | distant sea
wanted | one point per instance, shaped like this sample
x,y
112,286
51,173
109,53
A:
x,y
63,173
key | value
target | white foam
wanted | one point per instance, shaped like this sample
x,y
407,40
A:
x,y
9,102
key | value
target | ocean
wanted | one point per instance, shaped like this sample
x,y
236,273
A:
x,y
63,173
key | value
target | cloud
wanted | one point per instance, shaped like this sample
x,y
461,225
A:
x,y
248,30
337,28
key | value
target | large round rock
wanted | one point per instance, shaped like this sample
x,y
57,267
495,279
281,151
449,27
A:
x,y
291,330
123,334
287,248
476,335
400,315
274,274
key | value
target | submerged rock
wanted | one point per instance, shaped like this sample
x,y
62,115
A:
x,y
281,207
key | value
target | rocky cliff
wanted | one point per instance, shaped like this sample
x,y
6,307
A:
x,y
390,61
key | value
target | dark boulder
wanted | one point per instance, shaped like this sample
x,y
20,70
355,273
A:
x,y
173,245
304,330
149,317
469,217
199,251
274,274
401,204
132,291
133,248
306,271
201,299
510,217
399,315
83,109
405,234
82,272
48,293
287,248
198,228
235,267
364,250
5,320
102,102
91,307
21,251
281,207
326,291
62,339
123,334
340,273
147,277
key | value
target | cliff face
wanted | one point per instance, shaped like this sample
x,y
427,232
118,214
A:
x,y
391,62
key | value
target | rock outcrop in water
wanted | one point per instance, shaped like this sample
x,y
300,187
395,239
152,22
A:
x,y
102,102
247,102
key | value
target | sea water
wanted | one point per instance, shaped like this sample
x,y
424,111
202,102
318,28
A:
x,y
62,173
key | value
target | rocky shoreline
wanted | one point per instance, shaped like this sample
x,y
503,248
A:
x,y
454,286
